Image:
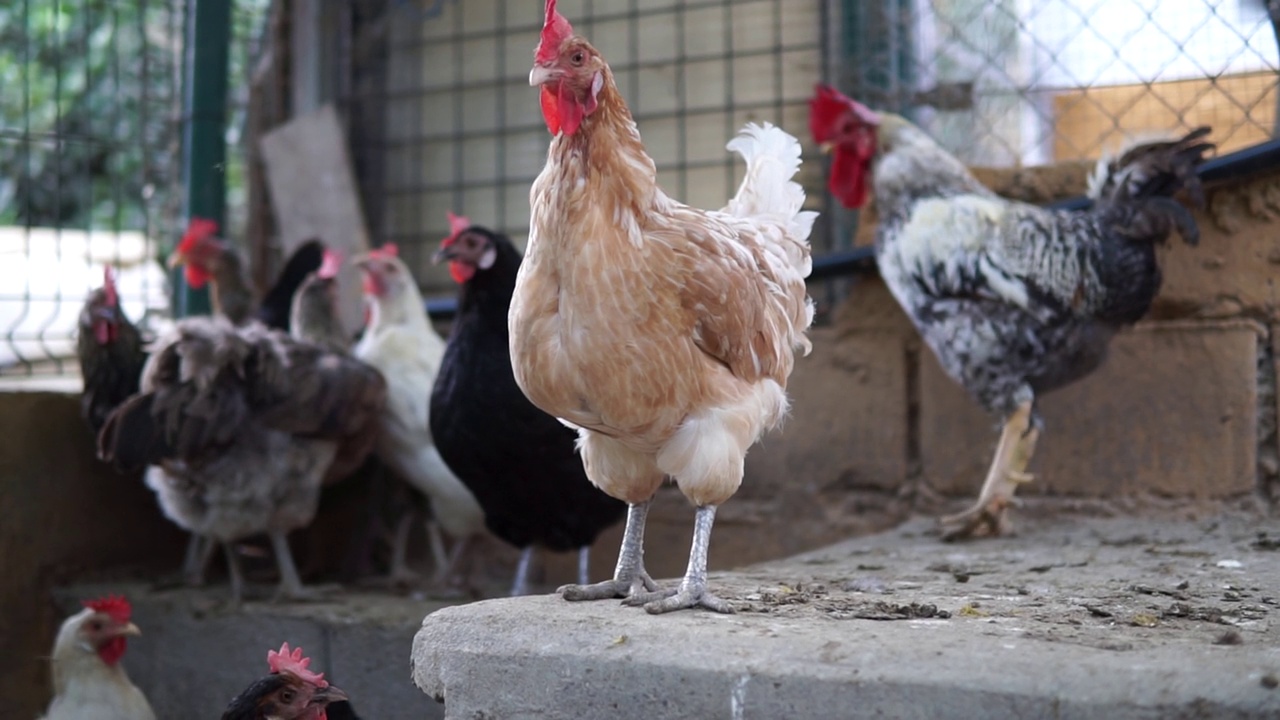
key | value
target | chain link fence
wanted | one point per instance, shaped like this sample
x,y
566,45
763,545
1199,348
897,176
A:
x,y
439,115
1022,82
90,146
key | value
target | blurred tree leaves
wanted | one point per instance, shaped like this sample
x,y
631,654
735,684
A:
x,y
88,114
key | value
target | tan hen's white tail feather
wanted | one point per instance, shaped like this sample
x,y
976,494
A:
x,y
773,158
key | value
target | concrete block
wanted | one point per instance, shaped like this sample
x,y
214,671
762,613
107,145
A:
x,y
1171,412
807,642
848,422
1237,262
197,653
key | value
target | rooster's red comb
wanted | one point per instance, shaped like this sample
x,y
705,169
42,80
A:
x,y
555,30
197,229
116,606
294,663
388,250
457,223
829,105
109,285
331,264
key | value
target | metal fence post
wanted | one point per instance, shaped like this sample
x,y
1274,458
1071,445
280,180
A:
x,y
204,150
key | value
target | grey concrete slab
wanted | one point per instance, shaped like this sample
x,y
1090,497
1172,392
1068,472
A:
x,y
1160,617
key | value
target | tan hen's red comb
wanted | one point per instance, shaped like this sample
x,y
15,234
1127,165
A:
x,y
555,30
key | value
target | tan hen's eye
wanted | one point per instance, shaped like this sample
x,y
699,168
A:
x,y
577,57
287,696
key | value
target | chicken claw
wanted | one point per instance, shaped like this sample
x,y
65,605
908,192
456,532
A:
x,y
693,589
690,595
629,577
633,590
987,516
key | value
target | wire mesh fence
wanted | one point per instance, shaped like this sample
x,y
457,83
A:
x,y
439,115
462,129
1013,82
90,143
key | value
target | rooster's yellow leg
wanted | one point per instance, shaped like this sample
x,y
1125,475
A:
x,y
1008,471
629,577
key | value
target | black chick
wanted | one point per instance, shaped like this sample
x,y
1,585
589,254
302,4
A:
x,y
521,463
285,696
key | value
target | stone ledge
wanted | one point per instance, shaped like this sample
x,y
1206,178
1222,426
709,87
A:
x,y
1080,618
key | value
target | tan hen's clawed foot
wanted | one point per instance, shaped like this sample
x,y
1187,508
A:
x,y
690,595
639,586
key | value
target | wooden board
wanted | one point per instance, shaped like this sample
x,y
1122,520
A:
x,y
314,194
1241,108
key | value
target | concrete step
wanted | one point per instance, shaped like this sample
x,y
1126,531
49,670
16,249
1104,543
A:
x,y
1077,617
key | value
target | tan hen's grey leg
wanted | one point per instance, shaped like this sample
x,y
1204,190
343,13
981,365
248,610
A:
x,y
584,564
1008,471
693,588
629,577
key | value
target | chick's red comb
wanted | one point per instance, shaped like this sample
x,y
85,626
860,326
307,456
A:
x,y
294,663
114,606
331,265
457,223
109,285
555,30
198,229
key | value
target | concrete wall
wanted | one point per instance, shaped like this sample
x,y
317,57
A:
x,y
62,515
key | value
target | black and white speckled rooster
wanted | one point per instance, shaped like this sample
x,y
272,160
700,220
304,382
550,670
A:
x,y
1014,299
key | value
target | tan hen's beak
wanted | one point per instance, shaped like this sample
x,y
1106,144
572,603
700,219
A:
x,y
541,75
827,147
177,259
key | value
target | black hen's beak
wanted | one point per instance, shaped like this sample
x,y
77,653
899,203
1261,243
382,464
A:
x,y
326,695
444,253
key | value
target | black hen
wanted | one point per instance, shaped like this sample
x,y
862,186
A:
x,y
110,351
274,309
520,462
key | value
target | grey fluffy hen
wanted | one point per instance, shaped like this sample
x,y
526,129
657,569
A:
x,y
238,427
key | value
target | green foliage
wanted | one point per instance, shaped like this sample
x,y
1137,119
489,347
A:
x,y
87,119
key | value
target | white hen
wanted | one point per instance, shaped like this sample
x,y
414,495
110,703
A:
x,y
88,681
400,342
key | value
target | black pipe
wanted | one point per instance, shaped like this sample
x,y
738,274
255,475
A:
x,y
1250,160
846,262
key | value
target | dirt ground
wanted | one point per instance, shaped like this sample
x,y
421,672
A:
x,y
1111,583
